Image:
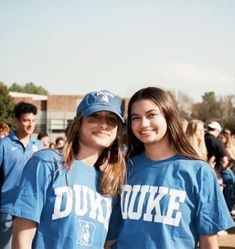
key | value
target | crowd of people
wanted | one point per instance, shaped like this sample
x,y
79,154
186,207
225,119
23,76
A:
x,y
216,146
44,138
169,185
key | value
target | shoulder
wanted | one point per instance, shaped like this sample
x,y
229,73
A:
x,y
228,171
195,163
208,136
199,168
187,164
48,155
45,162
3,141
7,141
194,172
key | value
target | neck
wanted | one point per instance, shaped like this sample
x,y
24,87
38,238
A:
x,y
160,150
24,138
88,155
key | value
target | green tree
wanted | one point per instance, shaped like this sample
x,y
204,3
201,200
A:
x,y
200,111
215,110
210,108
16,88
184,103
228,115
6,105
28,88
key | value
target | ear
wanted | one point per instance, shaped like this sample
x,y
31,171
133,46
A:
x,y
16,121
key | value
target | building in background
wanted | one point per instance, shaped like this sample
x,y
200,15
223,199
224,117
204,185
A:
x,y
55,112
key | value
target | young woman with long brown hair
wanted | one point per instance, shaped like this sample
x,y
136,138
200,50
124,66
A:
x,y
65,200
172,198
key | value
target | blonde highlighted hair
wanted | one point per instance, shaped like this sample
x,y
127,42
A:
x,y
198,144
110,163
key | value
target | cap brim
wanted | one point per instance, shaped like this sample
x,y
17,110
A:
x,y
99,108
215,127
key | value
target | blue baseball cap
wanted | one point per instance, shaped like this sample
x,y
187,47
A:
x,y
101,101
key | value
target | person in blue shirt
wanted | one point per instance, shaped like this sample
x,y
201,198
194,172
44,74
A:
x,y
15,151
171,198
65,197
228,181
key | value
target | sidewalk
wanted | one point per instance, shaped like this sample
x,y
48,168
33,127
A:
x,y
228,241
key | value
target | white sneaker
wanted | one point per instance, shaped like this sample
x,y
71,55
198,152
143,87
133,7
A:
x,y
222,233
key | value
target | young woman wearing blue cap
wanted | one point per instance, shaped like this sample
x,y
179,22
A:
x,y
171,198
65,200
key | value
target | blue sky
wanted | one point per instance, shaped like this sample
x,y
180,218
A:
x,y
75,46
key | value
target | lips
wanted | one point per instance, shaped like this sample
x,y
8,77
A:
x,y
100,133
143,133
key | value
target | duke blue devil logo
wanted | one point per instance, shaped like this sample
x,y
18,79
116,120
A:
x,y
86,233
105,96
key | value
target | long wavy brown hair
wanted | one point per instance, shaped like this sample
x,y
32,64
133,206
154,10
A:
x,y
168,107
111,162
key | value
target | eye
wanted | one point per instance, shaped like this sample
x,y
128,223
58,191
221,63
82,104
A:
x,y
135,118
153,114
113,119
95,115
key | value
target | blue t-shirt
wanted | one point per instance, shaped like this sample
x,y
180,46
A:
x,y
13,157
228,176
168,204
66,204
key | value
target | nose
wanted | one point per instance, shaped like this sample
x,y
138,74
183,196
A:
x,y
103,122
31,122
144,122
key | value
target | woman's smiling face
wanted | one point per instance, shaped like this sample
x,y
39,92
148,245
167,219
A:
x,y
147,122
98,130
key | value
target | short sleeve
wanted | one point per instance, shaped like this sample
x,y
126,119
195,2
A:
x,y
213,213
31,191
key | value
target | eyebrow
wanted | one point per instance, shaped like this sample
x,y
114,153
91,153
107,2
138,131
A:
x,y
110,114
149,111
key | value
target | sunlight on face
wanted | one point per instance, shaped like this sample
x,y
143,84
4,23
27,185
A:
x,y
199,132
99,130
26,123
147,122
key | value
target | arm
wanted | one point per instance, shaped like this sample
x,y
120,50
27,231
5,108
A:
x,y
224,162
114,223
23,233
230,154
208,241
108,244
211,161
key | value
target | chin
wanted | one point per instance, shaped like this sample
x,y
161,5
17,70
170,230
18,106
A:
x,y
104,146
102,143
145,139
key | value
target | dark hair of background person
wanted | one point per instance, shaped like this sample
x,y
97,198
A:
x,y
23,108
